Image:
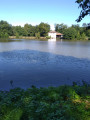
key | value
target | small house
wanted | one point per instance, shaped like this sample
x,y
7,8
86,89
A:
x,y
54,35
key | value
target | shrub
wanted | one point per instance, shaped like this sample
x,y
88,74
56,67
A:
x,y
52,103
48,37
37,35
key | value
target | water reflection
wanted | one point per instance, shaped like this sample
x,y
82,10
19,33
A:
x,y
51,39
66,48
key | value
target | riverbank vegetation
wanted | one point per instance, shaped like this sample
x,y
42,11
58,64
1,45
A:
x,y
28,30
52,103
75,32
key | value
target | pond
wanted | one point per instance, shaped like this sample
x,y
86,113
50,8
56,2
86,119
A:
x,y
24,63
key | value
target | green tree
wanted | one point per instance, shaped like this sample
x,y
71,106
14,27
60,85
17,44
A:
x,y
26,29
88,26
44,28
29,30
60,27
5,27
77,27
84,25
88,32
6,35
17,35
1,35
19,30
32,30
70,33
78,36
83,36
85,8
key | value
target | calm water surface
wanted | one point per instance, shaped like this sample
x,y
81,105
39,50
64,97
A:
x,y
43,63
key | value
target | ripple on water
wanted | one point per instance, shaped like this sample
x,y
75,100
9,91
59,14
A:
x,y
27,67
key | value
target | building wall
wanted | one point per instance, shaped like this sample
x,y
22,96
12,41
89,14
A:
x,y
53,35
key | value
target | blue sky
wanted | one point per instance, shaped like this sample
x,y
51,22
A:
x,y
19,12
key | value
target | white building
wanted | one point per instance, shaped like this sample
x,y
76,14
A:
x,y
54,35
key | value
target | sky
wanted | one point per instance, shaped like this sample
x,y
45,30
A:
x,y
20,12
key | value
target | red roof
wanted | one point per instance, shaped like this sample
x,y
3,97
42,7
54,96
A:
x,y
52,32
57,33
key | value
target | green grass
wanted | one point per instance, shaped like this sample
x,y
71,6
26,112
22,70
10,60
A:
x,y
52,103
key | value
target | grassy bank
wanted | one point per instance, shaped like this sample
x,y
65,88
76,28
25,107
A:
x,y
26,37
52,103
45,38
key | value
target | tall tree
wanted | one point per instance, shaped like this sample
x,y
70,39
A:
x,y
60,27
18,30
44,28
85,8
5,28
70,33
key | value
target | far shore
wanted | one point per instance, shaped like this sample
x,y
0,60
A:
x,y
26,37
41,38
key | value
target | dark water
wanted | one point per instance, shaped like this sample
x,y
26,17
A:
x,y
43,63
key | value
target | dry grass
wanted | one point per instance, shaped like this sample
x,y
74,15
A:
x,y
26,37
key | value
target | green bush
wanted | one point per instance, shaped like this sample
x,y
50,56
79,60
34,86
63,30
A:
x,y
37,35
4,35
17,35
13,115
52,103
48,37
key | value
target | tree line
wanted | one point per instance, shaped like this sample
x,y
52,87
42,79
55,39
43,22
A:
x,y
41,30
7,29
74,32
